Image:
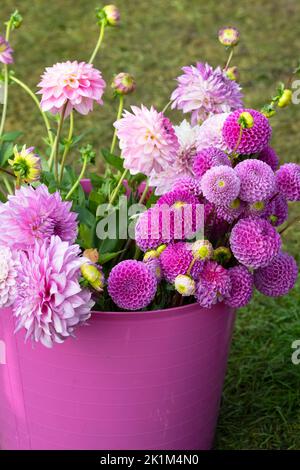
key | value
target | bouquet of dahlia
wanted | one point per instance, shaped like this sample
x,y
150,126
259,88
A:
x,y
183,213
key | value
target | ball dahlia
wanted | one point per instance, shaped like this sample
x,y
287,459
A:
x,y
205,91
5,52
269,156
35,214
254,242
288,181
277,210
253,139
279,277
241,287
49,301
257,180
132,285
147,140
8,276
76,83
153,228
214,283
189,184
176,259
220,185
207,158
232,212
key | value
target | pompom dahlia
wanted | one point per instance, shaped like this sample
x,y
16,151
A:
x,y
210,133
254,139
204,91
132,285
232,212
153,263
5,52
277,210
254,242
220,185
241,287
147,140
176,259
214,283
278,278
153,228
50,302
208,157
182,167
269,156
35,214
257,180
189,184
76,83
288,181
8,276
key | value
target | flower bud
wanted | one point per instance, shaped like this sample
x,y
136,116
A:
x,y
229,36
150,255
232,73
222,254
93,275
92,254
160,249
246,120
123,84
16,19
202,249
112,15
185,285
268,110
285,99
26,165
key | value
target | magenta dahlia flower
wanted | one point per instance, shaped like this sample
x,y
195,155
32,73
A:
x,y
208,157
232,212
35,214
254,242
49,301
269,156
213,285
277,210
76,83
8,276
220,185
132,285
210,133
204,91
153,263
5,52
176,259
278,278
188,184
153,228
241,290
147,140
257,180
254,139
288,181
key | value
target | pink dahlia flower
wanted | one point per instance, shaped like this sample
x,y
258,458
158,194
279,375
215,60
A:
x,y
208,157
8,276
278,278
254,139
210,133
220,185
288,181
49,301
241,287
5,52
176,259
132,285
257,180
269,156
214,283
187,183
35,214
147,140
254,242
153,228
204,91
78,84
277,211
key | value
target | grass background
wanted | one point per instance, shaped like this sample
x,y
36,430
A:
x,y
260,407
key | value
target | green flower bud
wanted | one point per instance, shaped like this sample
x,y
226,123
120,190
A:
x,y
246,120
285,99
232,73
93,275
112,15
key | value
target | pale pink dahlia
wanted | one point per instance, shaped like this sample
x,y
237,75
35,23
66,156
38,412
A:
x,y
278,278
176,259
147,140
5,52
288,181
254,242
257,180
132,285
254,139
35,214
214,283
269,156
49,301
220,185
210,132
204,91
208,157
8,276
77,84
241,287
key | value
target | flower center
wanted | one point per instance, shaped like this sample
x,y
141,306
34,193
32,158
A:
x,y
179,204
2,48
221,183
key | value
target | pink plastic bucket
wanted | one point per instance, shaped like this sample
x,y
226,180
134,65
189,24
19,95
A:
x,y
150,380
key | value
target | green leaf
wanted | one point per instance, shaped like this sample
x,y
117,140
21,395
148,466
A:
x,y
113,160
7,150
11,136
85,216
106,257
85,236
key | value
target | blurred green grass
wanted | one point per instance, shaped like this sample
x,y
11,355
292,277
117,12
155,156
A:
x,y
260,408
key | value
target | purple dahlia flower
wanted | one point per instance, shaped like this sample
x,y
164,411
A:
x,y
5,52
214,283
241,287
220,185
288,181
257,180
278,278
176,259
8,276
277,210
207,158
269,156
188,184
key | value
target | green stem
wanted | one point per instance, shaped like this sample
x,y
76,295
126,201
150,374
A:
x,y
120,110
5,97
55,147
229,58
76,184
145,192
99,42
116,190
7,172
32,95
7,185
67,147
166,107
234,154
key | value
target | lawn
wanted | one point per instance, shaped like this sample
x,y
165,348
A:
x,y
260,407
